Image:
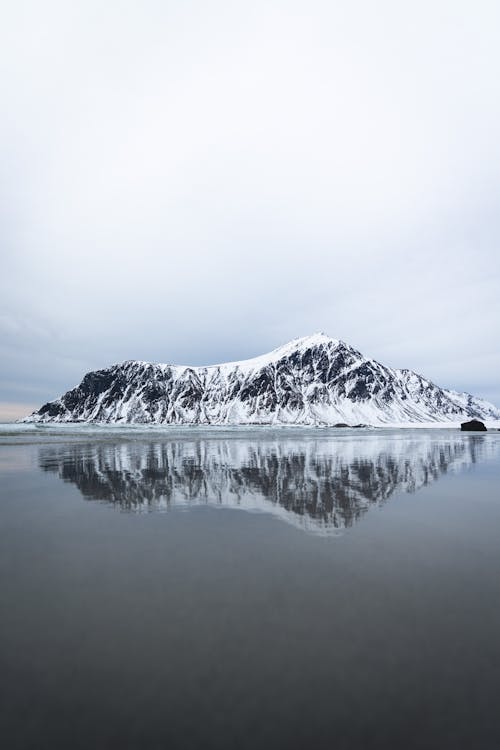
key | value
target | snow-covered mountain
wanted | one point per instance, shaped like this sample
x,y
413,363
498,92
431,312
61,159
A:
x,y
314,380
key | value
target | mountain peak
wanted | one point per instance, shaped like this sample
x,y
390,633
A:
x,y
308,342
319,337
285,350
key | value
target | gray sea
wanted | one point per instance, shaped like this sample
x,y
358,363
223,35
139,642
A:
x,y
219,588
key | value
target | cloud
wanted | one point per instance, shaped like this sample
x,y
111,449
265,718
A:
x,y
194,182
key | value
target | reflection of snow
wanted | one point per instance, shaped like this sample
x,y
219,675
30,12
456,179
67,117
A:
x,y
320,484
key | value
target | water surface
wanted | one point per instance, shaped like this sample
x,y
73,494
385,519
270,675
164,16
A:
x,y
200,588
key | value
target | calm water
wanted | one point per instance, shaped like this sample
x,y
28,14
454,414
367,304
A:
x,y
249,589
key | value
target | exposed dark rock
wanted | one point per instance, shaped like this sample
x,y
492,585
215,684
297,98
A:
x,y
52,409
95,383
473,426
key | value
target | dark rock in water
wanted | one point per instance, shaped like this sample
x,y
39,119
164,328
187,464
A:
x,y
341,424
473,426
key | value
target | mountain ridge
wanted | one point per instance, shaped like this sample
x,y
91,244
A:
x,y
313,380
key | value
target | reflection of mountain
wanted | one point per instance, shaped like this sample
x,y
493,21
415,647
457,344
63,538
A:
x,y
318,484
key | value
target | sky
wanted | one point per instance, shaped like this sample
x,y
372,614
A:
x,y
197,182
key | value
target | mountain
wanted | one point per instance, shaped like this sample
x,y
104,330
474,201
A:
x,y
314,380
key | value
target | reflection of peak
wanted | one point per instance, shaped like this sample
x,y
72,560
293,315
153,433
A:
x,y
319,484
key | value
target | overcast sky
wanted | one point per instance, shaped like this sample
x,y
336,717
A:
x,y
194,182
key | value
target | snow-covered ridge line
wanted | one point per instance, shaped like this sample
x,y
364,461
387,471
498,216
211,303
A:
x,y
298,344
314,380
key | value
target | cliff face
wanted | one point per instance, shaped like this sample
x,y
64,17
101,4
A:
x,y
315,380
